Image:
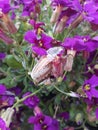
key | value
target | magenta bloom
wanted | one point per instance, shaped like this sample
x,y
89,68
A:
x,y
2,89
90,87
37,25
8,99
29,6
74,44
64,115
90,14
80,43
90,43
43,122
2,124
32,101
39,45
5,6
2,55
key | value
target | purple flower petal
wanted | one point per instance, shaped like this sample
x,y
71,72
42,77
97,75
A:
x,y
39,51
30,36
2,89
89,87
2,56
32,101
2,124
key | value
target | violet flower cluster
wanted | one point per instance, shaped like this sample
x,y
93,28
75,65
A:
x,y
72,13
55,65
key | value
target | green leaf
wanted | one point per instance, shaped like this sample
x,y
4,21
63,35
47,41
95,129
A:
x,y
12,62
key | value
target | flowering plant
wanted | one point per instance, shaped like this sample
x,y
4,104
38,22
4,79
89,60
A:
x,y
48,64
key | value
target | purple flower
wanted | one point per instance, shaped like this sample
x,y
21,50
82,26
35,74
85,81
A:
x,y
40,45
17,90
41,121
59,2
31,1
5,6
66,15
31,37
56,2
2,55
2,89
63,19
92,102
32,101
2,125
74,44
90,87
83,12
30,6
37,26
64,115
80,43
90,14
8,100
91,44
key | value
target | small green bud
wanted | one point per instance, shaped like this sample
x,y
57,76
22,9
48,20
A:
x,y
59,79
79,119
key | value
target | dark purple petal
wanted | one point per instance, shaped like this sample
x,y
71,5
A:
x,y
2,124
2,89
93,81
64,115
91,45
5,6
30,36
40,121
39,51
2,56
89,87
32,101
8,99
31,119
74,43
46,41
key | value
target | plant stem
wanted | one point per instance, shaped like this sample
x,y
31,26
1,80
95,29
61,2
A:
x,y
24,98
60,90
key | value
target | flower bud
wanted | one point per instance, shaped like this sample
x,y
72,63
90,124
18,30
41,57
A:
x,y
56,14
9,24
79,119
69,61
60,25
7,116
96,66
77,21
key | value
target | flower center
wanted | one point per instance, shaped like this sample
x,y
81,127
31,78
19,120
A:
x,y
39,31
40,44
41,121
84,39
44,127
87,87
